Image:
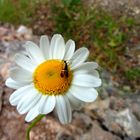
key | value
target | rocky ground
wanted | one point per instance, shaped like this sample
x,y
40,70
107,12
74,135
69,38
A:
x,y
130,7
114,116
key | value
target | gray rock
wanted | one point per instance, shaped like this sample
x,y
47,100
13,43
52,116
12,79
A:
x,y
64,136
13,47
89,129
117,103
122,123
129,122
97,133
136,110
83,121
111,124
1,92
130,138
23,30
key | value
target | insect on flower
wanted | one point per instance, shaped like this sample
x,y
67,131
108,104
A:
x,y
52,77
65,71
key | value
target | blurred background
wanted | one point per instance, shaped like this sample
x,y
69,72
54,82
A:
x,y
110,29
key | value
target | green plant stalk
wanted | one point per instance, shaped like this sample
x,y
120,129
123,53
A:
x,y
37,119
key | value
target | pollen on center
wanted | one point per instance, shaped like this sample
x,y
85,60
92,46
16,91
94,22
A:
x,y
52,78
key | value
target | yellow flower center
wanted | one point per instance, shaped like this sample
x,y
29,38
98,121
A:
x,y
52,77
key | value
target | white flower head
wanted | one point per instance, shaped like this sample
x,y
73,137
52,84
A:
x,y
52,77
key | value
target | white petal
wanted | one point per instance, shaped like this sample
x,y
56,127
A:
x,y
79,57
25,62
44,46
28,101
47,104
88,71
70,48
13,84
87,66
63,109
27,54
57,47
33,113
19,74
84,94
86,80
34,52
75,103
94,72
19,94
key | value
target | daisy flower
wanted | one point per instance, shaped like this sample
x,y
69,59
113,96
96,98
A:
x,y
52,77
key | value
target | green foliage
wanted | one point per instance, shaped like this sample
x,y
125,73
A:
x,y
66,2
104,34
133,74
108,35
112,36
17,12
70,2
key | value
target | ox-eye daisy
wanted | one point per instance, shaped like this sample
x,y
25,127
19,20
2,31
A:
x,y
52,77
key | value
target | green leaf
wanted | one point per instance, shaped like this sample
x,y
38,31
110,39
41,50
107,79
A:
x,y
112,43
66,2
75,1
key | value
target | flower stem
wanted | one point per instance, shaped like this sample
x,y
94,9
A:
x,y
37,119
